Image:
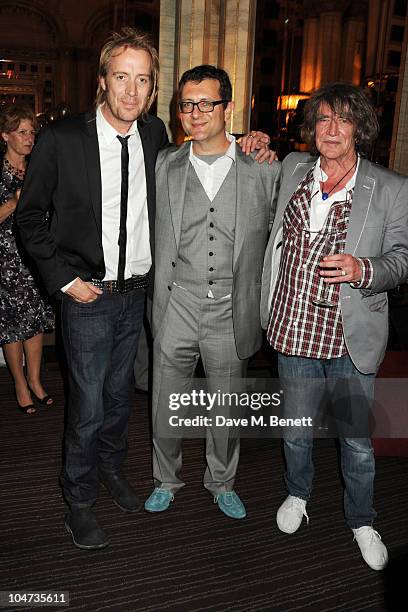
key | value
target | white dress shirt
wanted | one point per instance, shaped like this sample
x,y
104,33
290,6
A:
x,y
138,256
319,208
213,175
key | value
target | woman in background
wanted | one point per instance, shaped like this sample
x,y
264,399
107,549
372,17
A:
x,y
24,316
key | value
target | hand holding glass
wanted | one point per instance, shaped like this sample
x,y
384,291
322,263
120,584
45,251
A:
x,y
330,247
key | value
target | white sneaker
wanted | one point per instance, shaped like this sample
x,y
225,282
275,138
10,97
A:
x,y
291,513
373,550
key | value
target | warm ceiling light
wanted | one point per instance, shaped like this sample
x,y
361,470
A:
x,y
290,101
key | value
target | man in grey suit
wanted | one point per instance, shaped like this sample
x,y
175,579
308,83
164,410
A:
x,y
339,242
215,207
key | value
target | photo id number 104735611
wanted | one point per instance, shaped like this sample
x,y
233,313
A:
x,y
18,599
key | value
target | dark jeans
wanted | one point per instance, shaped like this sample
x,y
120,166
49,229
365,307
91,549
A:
x,y
100,340
303,382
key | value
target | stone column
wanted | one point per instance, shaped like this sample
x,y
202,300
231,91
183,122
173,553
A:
x,y
309,54
167,53
310,46
329,47
399,144
219,32
378,20
87,78
66,85
238,56
352,50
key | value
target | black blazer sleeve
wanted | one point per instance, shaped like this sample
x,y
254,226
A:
x,y
32,220
64,180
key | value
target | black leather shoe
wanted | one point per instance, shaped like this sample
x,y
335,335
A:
x,y
123,494
82,525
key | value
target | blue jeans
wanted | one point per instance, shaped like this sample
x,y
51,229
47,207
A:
x,y
100,340
304,382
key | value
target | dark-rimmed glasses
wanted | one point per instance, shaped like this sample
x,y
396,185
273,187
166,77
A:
x,y
204,106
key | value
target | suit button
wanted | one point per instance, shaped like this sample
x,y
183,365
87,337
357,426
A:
x,y
211,269
211,209
211,253
211,224
210,282
211,237
169,287
173,264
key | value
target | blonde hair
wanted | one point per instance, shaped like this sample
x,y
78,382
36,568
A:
x,y
134,39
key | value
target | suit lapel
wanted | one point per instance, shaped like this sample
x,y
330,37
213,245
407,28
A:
x,y
245,194
149,163
299,172
93,167
287,189
177,182
363,193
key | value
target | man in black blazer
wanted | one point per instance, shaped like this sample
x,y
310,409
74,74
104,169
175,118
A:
x,y
94,175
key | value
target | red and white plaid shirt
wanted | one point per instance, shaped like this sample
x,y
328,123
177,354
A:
x,y
297,326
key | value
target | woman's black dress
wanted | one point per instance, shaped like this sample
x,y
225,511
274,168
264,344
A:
x,y
23,311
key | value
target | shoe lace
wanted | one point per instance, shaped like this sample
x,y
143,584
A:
x,y
230,498
160,492
372,534
298,505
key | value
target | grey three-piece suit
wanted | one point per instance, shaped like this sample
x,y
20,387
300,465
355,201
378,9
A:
x,y
206,249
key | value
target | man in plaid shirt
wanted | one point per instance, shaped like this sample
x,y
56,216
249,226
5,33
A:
x,y
339,242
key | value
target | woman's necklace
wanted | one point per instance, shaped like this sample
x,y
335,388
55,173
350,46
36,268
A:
x,y
325,194
13,170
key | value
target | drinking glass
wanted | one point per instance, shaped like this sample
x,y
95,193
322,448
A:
x,y
330,248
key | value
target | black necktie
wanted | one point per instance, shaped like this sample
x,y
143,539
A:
x,y
123,211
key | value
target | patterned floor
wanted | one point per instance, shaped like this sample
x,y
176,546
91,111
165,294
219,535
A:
x,y
191,558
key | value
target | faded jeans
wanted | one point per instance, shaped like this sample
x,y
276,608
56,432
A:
x,y
304,381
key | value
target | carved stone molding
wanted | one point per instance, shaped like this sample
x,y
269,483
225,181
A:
x,y
100,22
28,54
36,11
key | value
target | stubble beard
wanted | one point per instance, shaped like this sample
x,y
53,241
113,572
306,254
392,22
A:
x,y
125,116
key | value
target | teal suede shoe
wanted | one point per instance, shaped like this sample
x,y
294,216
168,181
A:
x,y
230,504
159,500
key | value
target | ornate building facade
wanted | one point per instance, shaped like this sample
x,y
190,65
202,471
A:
x,y
49,49
276,52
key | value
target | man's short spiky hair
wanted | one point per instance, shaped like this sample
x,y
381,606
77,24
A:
x,y
206,71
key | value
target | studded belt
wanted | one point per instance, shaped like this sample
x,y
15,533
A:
x,y
134,282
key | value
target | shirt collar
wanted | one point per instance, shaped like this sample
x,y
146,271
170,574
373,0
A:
x,y
318,174
108,131
230,152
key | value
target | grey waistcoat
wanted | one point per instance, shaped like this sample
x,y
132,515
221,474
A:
x,y
207,237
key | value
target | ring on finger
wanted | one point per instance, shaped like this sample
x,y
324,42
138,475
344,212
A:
x,y
343,273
